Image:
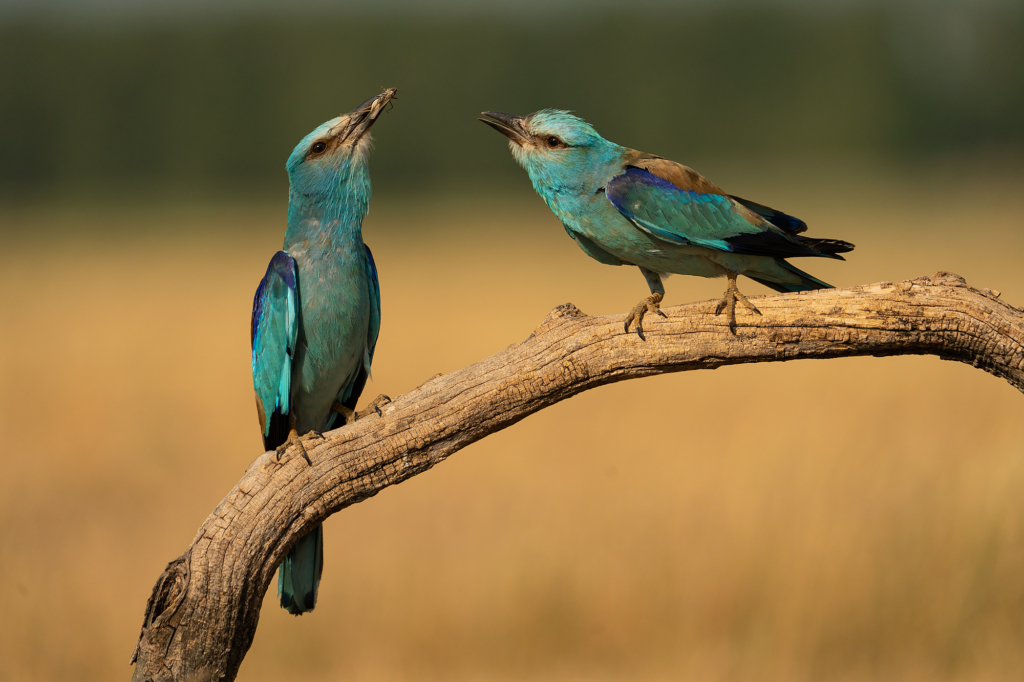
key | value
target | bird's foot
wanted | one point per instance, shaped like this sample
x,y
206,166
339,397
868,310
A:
x,y
650,304
295,439
374,407
728,303
348,415
351,416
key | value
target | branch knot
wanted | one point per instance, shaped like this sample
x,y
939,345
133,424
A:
x,y
949,279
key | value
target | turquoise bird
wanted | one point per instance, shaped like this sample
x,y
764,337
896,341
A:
x,y
625,207
316,314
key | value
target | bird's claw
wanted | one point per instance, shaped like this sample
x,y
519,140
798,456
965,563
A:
x,y
295,439
374,406
650,304
351,416
728,304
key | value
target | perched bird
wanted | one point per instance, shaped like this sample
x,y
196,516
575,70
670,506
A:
x,y
624,207
316,314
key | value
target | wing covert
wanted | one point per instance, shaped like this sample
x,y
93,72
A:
x,y
679,216
696,214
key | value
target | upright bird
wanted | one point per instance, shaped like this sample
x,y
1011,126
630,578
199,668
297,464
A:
x,y
316,314
625,207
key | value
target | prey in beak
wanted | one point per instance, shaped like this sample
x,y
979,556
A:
x,y
362,118
512,127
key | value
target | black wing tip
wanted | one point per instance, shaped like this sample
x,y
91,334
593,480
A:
x,y
783,221
277,434
780,245
828,247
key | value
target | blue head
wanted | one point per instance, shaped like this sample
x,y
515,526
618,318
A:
x,y
328,171
561,152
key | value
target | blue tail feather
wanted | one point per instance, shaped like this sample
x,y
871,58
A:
x,y
298,576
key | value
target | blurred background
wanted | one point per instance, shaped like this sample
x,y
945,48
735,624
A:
x,y
855,519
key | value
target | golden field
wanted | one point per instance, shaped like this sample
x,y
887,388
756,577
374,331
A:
x,y
855,519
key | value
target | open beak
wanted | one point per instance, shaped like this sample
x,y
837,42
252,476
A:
x,y
362,118
512,127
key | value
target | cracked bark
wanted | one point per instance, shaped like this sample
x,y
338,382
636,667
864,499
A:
x,y
204,609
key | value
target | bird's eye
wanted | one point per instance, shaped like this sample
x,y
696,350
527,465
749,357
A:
x,y
554,142
318,148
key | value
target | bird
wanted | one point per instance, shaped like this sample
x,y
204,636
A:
x,y
316,313
626,207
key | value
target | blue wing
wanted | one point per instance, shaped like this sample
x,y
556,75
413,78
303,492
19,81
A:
x,y
685,216
374,330
775,217
274,332
349,395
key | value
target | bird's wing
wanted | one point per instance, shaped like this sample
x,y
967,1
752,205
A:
x,y
678,205
274,332
775,217
349,394
374,330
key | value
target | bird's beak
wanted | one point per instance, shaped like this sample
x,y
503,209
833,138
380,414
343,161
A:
x,y
512,127
362,118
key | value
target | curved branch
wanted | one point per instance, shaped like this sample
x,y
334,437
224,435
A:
x,y
203,613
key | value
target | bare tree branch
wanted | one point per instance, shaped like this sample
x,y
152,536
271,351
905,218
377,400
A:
x,y
203,613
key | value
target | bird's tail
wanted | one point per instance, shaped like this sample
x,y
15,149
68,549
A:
x,y
806,283
298,576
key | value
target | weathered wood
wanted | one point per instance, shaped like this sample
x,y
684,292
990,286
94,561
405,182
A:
x,y
203,613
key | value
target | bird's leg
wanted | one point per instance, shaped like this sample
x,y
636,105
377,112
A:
x,y
728,302
347,414
295,439
650,304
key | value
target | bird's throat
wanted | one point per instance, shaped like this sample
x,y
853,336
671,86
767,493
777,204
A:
x,y
323,225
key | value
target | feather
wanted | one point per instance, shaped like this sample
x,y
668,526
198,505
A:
x,y
273,334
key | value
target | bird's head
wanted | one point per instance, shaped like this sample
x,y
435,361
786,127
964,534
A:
x,y
334,155
555,147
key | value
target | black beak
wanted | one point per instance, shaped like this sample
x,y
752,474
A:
x,y
362,118
512,127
